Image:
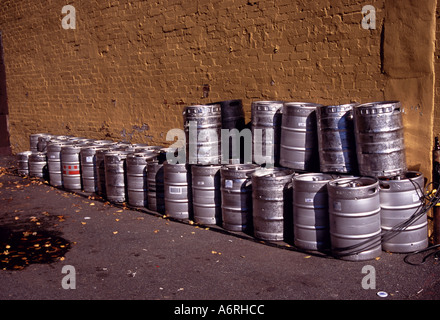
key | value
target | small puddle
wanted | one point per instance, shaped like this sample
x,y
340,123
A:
x,y
18,249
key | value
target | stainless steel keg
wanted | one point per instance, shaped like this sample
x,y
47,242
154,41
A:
x,y
266,131
115,178
404,224
271,202
38,165
299,142
379,139
23,162
336,142
206,194
70,160
236,191
55,167
177,190
310,211
202,125
137,187
354,215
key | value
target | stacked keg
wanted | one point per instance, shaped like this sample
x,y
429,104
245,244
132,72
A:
x,y
206,194
202,125
266,131
23,162
272,203
232,119
298,146
137,183
236,193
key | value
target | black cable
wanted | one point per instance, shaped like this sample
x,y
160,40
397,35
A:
x,y
435,253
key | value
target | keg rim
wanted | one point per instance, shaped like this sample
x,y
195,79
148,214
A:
x,y
305,105
204,108
23,153
380,104
276,172
240,167
343,182
308,177
345,106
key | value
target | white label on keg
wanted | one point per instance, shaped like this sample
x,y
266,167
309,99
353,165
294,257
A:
x,y
228,183
337,206
308,200
415,197
302,124
200,183
89,159
52,156
175,190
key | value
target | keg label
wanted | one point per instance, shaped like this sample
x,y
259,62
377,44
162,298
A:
x,y
308,200
415,197
200,183
89,159
228,183
52,156
70,170
337,206
302,124
175,190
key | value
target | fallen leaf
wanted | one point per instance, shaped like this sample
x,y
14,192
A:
x,y
115,232
156,231
92,204
306,257
82,222
116,219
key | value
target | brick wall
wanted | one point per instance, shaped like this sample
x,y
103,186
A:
x,y
130,67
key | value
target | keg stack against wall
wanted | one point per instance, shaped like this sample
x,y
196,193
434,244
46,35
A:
x,y
329,178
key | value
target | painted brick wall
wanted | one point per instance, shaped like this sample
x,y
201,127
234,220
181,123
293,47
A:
x,y
130,67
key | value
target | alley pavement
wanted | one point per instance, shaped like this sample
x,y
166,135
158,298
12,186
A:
x,y
59,245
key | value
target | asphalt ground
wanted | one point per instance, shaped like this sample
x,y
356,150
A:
x,y
59,245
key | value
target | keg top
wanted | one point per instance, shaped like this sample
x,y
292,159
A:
x,y
270,173
379,107
24,153
202,108
146,155
309,105
37,155
410,180
336,108
240,167
314,177
267,105
353,182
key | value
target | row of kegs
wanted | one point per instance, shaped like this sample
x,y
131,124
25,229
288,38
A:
x,y
354,217
361,139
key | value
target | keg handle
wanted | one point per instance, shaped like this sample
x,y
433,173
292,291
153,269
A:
x,y
373,190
